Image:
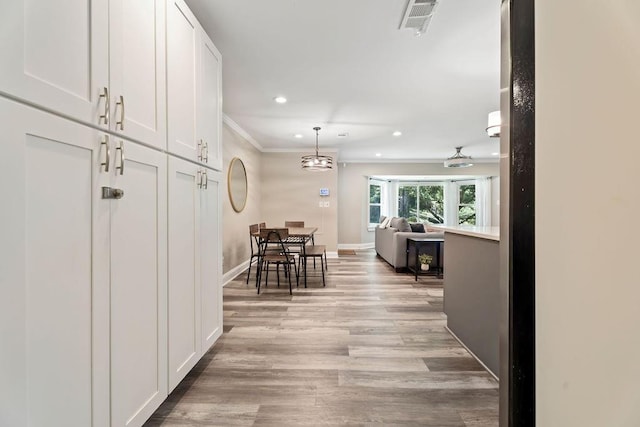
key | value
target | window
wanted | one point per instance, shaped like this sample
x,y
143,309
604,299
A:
x,y
376,201
466,204
421,202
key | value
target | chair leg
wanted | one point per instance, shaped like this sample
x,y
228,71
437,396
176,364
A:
x,y
266,275
322,266
259,276
326,264
249,270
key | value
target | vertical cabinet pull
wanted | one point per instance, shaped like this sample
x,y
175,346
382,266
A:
x,y
107,153
205,147
205,180
120,149
199,149
104,117
120,103
199,178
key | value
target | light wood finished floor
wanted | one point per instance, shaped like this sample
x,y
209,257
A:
x,y
370,349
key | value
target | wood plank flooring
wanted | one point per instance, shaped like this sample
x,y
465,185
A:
x,y
369,349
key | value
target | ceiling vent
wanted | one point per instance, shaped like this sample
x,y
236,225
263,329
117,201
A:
x,y
418,15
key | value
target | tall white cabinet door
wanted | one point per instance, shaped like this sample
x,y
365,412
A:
x,y
182,71
211,259
55,54
53,272
210,102
184,274
138,284
137,69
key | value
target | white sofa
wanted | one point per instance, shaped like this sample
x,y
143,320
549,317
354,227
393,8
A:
x,y
391,244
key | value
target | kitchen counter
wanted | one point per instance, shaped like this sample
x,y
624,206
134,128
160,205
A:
x,y
471,290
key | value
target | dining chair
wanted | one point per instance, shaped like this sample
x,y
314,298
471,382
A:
x,y
313,251
254,245
273,250
300,224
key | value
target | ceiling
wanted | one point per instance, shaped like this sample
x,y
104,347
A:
x,y
345,66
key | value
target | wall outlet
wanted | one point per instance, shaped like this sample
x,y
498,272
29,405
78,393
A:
x,y
326,204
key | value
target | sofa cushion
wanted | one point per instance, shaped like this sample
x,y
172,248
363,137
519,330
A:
x,y
382,218
416,227
401,224
385,223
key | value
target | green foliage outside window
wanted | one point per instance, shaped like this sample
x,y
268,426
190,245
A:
x,y
467,205
375,194
420,203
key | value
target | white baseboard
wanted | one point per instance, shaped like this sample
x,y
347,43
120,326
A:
x,y
356,246
234,272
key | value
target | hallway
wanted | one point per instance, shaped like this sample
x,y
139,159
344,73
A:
x,y
369,349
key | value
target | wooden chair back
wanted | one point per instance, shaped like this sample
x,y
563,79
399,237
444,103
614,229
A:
x,y
294,224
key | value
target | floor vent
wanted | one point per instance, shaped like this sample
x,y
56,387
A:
x,y
418,15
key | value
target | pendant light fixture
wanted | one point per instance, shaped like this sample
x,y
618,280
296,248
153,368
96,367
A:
x,y
458,160
317,163
493,124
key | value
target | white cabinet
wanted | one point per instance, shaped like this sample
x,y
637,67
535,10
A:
x,y
98,61
137,70
194,88
54,276
209,102
138,255
211,258
55,54
83,311
195,274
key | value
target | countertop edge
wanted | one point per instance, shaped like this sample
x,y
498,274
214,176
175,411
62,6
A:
x,y
488,233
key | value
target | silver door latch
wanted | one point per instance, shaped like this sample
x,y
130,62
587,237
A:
x,y
112,193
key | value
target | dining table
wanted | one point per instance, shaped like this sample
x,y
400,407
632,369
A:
x,y
297,236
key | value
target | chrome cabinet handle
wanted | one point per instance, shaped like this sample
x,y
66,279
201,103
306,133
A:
x,y
120,102
205,147
205,180
199,178
120,148
104,93
107,153
200,150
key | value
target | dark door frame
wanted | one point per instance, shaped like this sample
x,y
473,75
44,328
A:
x,y
521,237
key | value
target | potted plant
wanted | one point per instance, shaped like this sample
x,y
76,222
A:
x,y
425,260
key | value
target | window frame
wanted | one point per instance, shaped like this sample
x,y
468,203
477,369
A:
x,y
383,200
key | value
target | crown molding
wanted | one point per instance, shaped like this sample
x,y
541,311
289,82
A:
x,y
243,133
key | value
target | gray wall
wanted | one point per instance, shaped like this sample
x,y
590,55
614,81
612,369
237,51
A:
x,y
472,296
235,230
290,193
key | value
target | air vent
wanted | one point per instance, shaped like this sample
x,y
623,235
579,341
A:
x,y
418,15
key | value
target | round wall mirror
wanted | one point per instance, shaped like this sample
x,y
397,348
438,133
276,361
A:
x,y
237,184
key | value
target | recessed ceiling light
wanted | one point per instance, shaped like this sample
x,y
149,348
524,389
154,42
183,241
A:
x,y
280,99
397,133
378,154
343,134
495,154
298,135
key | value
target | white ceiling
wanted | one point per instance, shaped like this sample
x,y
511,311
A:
x,y
345,66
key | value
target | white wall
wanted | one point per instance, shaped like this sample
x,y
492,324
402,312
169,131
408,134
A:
x,y
587,203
